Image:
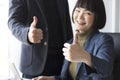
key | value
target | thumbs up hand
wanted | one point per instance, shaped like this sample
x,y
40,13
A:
x,y
35,35
74,52
75,37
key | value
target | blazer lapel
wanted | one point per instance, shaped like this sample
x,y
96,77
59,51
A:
x,y
41,8
65,68
40,5
78,67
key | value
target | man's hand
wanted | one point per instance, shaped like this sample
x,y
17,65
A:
x,y
35,35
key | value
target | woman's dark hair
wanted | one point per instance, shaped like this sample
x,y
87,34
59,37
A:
x,y
95,6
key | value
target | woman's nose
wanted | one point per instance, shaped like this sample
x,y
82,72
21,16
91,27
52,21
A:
x,y
80,16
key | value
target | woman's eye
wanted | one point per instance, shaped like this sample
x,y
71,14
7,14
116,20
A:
x,y
88,13
77,11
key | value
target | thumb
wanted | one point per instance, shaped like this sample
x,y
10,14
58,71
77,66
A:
x,y
75,38
34,23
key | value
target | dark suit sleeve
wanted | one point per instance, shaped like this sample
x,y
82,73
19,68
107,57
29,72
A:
x,y
17,21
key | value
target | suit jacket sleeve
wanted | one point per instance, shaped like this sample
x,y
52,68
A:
x,y
17,21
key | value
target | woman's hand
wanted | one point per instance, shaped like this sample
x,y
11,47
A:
x,y
44,78
75,53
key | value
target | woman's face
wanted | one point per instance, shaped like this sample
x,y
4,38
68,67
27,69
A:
x,y
83,19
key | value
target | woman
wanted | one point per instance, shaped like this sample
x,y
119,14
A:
x,y
89,55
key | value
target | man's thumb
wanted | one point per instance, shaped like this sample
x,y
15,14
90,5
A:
x,y
35,20
75,38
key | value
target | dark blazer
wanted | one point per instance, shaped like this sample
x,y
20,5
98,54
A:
x,y
100,47
21,12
